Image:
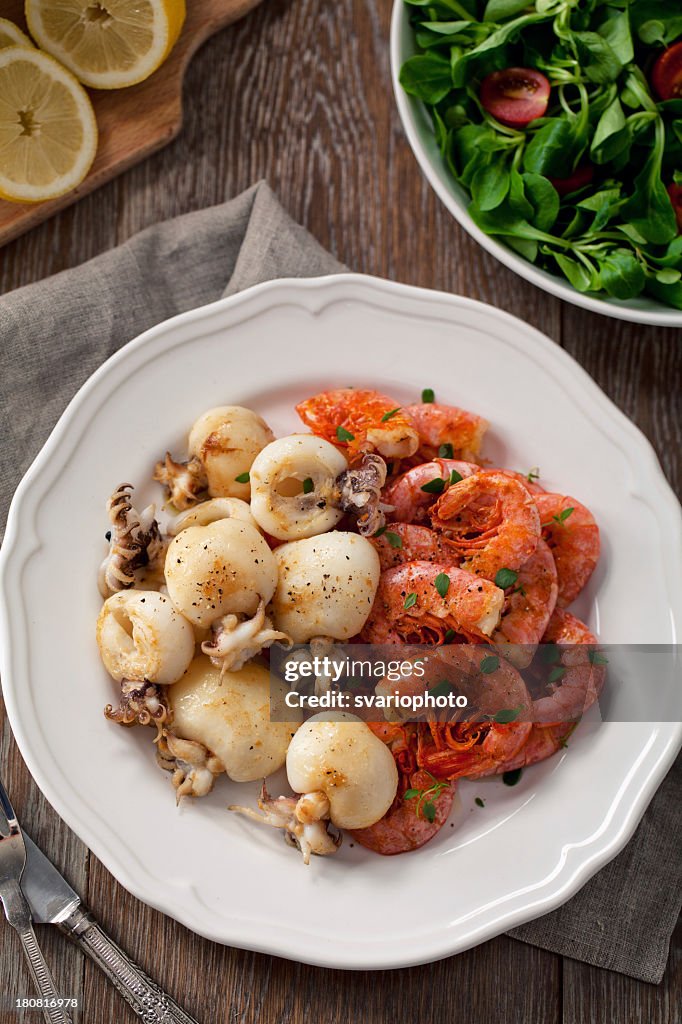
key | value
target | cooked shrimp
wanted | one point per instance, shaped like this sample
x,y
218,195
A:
x,y
573,535
490,684
577,672
357,420
403,542
489,688
543,741
529,604
439,425
475,746
528,480
453,750
409,609
407,494
490,520
554,717
421,806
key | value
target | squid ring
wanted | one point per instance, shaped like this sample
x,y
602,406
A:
x,y
294,492
141,636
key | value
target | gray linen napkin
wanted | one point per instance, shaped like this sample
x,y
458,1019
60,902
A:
x,y
53,334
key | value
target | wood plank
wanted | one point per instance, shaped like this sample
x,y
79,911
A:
x,y
640,368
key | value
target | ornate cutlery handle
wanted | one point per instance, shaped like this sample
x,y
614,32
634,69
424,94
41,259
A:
x,y
42,977
150,1003
19,916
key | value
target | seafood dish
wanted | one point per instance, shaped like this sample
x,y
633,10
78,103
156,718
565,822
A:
x,y
376,524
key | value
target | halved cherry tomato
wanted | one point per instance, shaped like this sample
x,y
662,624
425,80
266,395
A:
x,y
582,175
666,76
675,193
515,96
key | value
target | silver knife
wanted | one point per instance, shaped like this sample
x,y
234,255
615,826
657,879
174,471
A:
x,y
53,901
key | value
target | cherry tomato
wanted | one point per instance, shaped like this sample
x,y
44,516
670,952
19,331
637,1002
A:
x,y
675,193
515,96
666,76
582,175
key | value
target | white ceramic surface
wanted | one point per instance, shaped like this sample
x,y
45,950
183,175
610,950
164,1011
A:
x,y
419,130
531,847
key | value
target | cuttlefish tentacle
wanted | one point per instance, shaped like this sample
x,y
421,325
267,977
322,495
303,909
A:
x,y
135,541
186,482
193,765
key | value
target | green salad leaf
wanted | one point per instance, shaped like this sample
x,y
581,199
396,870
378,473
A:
x,y
427,76
580,185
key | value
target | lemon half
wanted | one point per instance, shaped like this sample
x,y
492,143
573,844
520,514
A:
x,y
48,132
110,44
11,35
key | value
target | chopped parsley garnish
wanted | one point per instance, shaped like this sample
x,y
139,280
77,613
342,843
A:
x,y
562,516
549,653
505,578
308,485
435,486
511,778
344,435
446,451
489,664
243,478
479,802
426,798
556,674
441,689
533,474
428,396
381,530
394,539
597,658
455,477
506,715
410,600
449,635
442,583
429,811
390,414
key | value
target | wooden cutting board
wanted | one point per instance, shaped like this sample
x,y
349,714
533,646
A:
x,y
133,122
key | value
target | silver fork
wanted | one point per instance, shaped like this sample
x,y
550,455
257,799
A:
x,y
12,861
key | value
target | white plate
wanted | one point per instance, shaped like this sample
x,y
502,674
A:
x,y
531,847
419,130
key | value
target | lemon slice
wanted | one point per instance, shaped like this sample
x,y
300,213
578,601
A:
x,y
110,44
48,132
11,35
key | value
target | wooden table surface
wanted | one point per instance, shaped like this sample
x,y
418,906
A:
x,y
299,93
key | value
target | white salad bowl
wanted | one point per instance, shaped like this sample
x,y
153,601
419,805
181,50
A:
x,y
529,848
419,130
